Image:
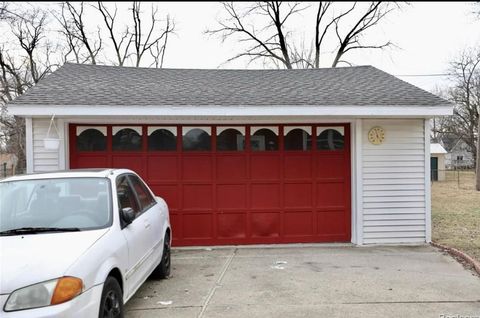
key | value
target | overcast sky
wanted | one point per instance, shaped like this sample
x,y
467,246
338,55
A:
x,y
428,36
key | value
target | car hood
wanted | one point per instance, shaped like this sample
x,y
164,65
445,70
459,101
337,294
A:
x,y
31,259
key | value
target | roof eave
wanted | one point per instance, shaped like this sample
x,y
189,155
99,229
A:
x,y
26,110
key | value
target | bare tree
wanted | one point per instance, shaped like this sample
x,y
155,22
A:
x,y
375,13
24,61
3,10
268,42
77,35
29,31
121,43
73,45
7,92
6,13
158,51
477,170
272,40
465,94
147,41
476,9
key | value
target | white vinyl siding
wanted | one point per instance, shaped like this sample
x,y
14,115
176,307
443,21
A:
x,y
394,209
44,159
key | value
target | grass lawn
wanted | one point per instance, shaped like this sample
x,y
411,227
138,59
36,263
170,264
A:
x,y
456,213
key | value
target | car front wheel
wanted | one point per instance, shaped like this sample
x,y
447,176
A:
x,y
163,269
111,305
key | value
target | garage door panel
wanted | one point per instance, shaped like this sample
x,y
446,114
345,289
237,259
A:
x,y
91,162
176,224
265,196
197,196
330,194
232,225
298,223
231,167
330,166
134,163
264,167
197,168
162,168
331,223
231,196
265,224
169,192
197,225
297,167
297,195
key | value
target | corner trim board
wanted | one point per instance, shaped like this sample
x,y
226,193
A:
x,y
428,191
29,144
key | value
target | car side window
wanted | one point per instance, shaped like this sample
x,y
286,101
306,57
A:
x,y
125,195
144,196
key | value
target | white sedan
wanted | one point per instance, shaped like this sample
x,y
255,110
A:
x,y
79,243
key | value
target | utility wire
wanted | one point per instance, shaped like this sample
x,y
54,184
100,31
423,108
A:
x,y
422,75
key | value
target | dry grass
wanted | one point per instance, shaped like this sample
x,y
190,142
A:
x,y
456,213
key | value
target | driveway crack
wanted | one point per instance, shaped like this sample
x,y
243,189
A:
x,y
218,283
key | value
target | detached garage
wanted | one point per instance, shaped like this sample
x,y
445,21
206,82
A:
x,y
249,156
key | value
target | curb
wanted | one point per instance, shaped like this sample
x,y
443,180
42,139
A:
x,y
467,258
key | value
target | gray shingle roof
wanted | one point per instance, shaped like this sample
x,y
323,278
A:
x,y
75,84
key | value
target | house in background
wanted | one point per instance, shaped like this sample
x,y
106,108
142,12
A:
x,y
8,164
437,162
459,155
250,156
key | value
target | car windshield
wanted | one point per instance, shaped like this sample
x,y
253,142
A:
x,y
56,204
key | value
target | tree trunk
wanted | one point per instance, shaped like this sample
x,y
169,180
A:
x,y
477,172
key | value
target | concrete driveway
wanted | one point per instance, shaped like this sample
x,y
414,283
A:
x,y
311,281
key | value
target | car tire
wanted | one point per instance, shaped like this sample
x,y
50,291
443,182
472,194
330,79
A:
x,y
111,304
162,271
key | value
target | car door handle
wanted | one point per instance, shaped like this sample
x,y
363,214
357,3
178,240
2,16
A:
x,y
146,224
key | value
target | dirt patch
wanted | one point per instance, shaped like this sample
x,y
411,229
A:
x,y
466,260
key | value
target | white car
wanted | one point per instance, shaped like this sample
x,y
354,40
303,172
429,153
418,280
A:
x,y
79,243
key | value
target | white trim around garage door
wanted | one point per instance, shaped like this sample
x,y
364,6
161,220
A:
x,y
357,180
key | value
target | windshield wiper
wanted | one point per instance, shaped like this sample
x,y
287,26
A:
x,y
35,230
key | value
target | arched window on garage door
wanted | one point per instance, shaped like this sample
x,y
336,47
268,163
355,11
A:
x,y
91,138
162,138
264,138
230,138
298,138
127,138
330,138
196,138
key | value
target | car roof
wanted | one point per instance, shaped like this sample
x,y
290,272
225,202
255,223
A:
x,y
73,173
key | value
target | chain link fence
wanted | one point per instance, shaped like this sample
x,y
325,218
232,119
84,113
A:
x,y
459,178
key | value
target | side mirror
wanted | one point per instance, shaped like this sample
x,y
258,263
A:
x,y
127,215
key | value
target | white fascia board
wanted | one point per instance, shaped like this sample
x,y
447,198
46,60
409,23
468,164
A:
x,y
231,111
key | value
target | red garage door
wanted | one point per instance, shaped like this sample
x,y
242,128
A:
x,y
237,184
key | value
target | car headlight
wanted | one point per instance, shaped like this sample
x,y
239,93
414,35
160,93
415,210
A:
x,y
48,293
